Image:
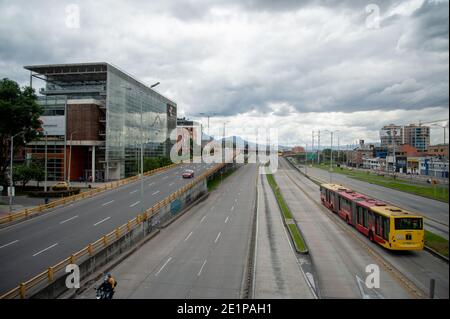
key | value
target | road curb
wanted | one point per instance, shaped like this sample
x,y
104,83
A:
x,y
436,254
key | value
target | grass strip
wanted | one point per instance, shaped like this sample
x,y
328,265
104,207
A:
x,y
298,239
437,243
276,190
296,236
436,192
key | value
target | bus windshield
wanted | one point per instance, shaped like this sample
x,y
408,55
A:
x,y
408,223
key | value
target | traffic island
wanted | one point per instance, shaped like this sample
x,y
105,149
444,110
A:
x,y
288,220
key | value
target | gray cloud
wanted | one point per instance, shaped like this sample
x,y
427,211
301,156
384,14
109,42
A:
x,y
239,57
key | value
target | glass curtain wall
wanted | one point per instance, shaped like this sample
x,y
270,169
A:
x,y
125,97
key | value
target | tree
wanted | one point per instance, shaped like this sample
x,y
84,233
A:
x,y
23,174
19,112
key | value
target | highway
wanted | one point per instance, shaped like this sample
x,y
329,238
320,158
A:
x,y
279,271
340,253
203,254
31,246
436,212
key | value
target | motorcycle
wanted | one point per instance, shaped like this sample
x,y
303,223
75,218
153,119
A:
x,y
102,294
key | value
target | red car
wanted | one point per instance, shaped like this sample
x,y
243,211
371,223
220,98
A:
x,y
188,173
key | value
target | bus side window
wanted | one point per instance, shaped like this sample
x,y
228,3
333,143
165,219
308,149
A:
x,y
365,218
385,228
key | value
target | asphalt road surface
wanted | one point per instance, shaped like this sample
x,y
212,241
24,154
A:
x,y
325,231
435,212
203,254
278,268
30,247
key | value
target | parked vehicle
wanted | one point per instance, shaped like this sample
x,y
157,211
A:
x,y
60,186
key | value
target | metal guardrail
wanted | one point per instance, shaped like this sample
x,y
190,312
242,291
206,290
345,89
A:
x,y
105,241
24,214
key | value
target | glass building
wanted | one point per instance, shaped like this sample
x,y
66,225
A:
x,y
95,110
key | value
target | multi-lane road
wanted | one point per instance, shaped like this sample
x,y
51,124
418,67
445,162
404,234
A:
x,y
340,253
203,254
436,213
31,246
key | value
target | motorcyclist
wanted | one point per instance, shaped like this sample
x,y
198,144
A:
x,y
108,286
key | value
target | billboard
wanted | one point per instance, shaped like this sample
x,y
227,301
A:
x,y
54,125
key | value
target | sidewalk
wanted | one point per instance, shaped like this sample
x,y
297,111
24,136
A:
x,y
20,203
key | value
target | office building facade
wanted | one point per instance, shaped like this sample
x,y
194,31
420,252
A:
x,y
92,119
417,136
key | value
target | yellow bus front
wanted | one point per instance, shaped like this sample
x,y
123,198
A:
x,y
406,233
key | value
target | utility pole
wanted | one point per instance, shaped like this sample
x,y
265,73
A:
x,y
318,148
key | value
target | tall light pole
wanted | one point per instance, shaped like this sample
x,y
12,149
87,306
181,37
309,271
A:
x,y
70,156
11,171
331,153
444,127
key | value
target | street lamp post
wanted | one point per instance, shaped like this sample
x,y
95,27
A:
x,y
11,171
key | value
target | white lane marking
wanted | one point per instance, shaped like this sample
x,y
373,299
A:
x,y
203,219
235,200
171,184
40,252
217,238
232,208
155,193
200,272
226,219
165,177
151,184
188,236
13,242
134,191
134,204
170,258
103,220
65,221
107,203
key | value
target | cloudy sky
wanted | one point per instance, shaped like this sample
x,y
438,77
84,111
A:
x,y
297,66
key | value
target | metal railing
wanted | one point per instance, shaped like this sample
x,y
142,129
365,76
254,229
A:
x,y
48,276
28,212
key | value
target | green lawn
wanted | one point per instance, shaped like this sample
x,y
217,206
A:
x,y
437,192
436,242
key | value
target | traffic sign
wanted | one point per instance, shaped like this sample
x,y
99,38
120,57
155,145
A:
x,y
11,191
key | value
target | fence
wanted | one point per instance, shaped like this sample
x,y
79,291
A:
x,y
47,277
24,214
